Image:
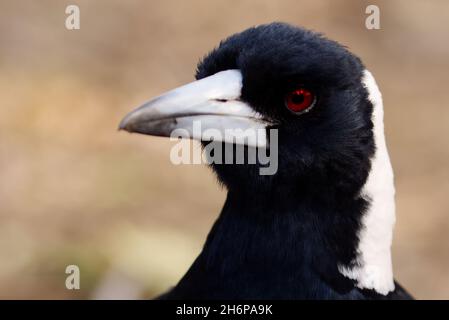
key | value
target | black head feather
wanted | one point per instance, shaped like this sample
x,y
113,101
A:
x,y
331,144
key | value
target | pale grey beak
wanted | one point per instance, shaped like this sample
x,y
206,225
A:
x,y
207,109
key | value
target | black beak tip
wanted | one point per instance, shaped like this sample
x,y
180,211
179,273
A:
x,y
124,125
121,127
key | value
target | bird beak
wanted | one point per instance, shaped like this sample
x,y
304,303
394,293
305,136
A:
x,y
207,109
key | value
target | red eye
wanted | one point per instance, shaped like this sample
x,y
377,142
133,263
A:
x,y
299,100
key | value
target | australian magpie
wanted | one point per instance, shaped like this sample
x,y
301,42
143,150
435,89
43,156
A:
x,y
321,226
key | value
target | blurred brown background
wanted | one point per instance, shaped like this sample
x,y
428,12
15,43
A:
x,y
73,190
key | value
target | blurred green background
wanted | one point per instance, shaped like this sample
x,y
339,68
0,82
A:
x,y
73,190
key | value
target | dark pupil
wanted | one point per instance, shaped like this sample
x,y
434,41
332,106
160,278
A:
x,y
298,98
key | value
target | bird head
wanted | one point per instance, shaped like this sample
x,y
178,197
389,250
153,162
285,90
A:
x,y
329,146
275,77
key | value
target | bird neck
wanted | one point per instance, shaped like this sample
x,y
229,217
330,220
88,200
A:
x,y
372,268
277,239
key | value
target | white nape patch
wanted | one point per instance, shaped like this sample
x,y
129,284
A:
x,y
373,265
